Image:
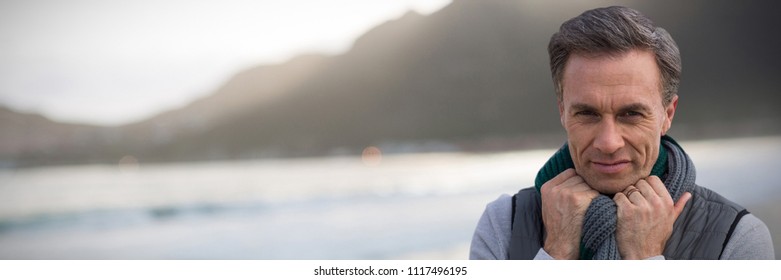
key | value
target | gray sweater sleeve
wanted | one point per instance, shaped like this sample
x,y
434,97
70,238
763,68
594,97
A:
x,y
491,240
492,235
750,241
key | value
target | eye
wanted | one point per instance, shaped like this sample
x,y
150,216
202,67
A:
x,y
586,116
631,113
585,113
631,116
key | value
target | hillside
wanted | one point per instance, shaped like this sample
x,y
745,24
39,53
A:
x,y
473,76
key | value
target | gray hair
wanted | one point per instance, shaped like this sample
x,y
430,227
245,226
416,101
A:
x,y
615,30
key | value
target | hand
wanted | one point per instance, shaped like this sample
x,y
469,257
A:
x,y
565,199
646,214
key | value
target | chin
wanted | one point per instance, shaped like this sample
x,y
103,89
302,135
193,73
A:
x,y
609,186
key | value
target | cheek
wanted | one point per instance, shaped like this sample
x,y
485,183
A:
x,y
579,137
643,140
661,123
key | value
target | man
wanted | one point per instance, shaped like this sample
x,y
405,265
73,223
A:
x,y
619,188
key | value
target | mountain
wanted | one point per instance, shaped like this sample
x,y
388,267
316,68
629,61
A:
x,y
32,139
473,75
451,76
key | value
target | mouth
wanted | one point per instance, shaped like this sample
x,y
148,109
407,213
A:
x,y
610,167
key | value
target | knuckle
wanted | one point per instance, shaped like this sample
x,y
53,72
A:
x,y
627,210
572,199
648,210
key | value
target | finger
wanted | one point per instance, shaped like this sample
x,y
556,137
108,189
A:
x,y
636,197
681,203
658,187
585,189
629,190
572,181
620,199
563,176
645,188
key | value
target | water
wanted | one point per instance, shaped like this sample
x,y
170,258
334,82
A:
x,y
404,206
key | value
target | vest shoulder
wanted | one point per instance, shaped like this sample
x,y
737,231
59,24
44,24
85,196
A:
x,y
704,227
526,199
527,230
527,191
707,197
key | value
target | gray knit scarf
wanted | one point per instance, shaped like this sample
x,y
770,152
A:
x,y
599,225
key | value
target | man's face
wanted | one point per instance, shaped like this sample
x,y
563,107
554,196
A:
x,y
612,110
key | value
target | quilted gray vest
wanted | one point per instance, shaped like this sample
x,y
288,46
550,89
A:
x,y
700,232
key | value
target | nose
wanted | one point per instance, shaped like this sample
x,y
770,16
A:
x,y
608,139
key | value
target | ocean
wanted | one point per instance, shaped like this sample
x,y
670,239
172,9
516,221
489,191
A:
x,y
406,206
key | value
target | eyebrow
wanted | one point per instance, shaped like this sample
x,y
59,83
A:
x,y
582,107
639,107
631,107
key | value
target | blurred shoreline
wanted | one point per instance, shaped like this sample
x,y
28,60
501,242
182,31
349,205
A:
x,y
393,206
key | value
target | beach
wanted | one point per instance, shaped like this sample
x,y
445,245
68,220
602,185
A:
x,y
406,206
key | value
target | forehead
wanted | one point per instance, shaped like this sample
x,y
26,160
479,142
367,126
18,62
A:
x,y
631,76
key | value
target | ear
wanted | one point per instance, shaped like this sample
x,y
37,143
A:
x,y
669,114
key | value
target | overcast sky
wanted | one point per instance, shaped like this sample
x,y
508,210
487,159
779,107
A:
x,y
111,62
